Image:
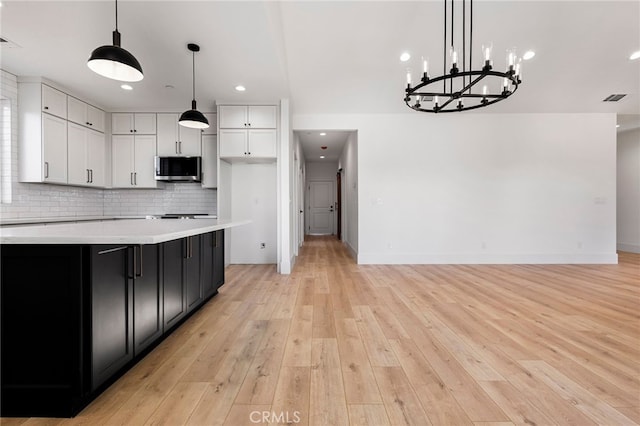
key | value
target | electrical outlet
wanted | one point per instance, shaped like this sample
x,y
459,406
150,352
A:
x,y
263,245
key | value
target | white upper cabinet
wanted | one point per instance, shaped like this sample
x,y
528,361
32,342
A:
x,y
251,116
248,132
130,123
54,149
176,140
84,114
132,161
54,102
86,156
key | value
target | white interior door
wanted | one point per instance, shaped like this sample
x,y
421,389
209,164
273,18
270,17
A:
x,y
321,208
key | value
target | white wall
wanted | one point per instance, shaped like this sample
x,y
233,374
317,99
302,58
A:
x,y
254,198
629,191
349,165
482,188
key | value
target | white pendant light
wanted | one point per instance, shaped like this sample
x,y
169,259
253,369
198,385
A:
x,y
193,118
112,61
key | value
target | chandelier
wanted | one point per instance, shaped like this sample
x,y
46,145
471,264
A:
x,y
462,88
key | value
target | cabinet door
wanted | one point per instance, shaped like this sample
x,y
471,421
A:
x,y
233,143
122,160
54,101
78,170
173,284
121,123
189,142
144,171
96,157
167,127
111,312
95,118
232,116
208,284
147,297
145,124
209,161
192,273
218,258
262,143
262,116
213,125
54,140
212,262
77,111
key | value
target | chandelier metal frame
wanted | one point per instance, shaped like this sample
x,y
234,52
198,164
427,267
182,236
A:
x,y
465,78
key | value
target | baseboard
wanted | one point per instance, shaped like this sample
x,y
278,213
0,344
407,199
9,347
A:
x,y
631,248
352,252
425,259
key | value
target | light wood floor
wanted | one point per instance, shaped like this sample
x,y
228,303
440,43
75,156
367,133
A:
x,y
336,343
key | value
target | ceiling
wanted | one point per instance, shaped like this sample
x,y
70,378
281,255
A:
x,y
326,143
325,56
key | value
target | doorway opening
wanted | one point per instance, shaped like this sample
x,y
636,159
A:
x,y
326,172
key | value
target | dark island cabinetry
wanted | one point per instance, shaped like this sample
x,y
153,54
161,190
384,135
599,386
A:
x,y
75,317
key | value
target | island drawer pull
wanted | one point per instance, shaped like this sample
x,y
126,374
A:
x,y
107,251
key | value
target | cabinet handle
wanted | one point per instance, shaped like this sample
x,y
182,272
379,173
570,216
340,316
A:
x,y
46,169
135,130
135,271
176,147
180,147
131,179
107,251
88,178
135,178
249,124
91,172
130,130
46,107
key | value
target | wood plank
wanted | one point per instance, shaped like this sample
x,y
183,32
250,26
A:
x,y
327,404
292,393
368,415
401,402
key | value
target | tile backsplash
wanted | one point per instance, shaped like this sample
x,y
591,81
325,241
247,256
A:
x,y
46,200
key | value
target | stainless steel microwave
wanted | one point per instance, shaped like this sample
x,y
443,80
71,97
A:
x,y
179,169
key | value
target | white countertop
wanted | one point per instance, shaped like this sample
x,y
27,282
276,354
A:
x,y
124,231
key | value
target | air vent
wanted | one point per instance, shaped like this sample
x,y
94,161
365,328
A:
x,y
614,98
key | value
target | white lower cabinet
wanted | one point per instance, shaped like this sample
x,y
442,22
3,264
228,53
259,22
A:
x,y
54,149
86,156
209,161
248,144
133,161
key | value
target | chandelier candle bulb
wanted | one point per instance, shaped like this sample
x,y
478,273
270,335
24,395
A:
x,y
409,78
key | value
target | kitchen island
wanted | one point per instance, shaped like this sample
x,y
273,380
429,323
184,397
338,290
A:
x,y
83,302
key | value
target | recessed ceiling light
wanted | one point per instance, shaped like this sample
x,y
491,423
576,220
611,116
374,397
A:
x,y
635,55
323,134
169,86
617,125
405,56
241,88
322,156
528,55
126,87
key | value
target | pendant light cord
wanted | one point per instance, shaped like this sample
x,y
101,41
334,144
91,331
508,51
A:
x,y
116,15
194,75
